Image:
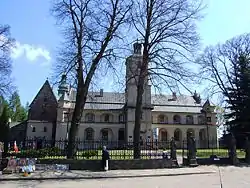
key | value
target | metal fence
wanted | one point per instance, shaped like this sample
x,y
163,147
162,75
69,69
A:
x,y
57,149
90,149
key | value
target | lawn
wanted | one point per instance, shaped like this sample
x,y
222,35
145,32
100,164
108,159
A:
x,y
206,153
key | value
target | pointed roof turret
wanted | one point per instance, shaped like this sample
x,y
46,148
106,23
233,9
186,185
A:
x,y
63,88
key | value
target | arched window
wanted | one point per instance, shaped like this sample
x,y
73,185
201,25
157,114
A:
x,y
177,119
189,119
190,132
33,129
45,129
177,135
163,135
89,134
106,118
90,117
201,120
105,134
162,119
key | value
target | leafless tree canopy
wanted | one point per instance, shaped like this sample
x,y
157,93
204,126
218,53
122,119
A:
x,y
168,33
219,62
6,43
92,26
90,30
170,27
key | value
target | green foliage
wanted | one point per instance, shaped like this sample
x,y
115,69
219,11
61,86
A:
x,y
88,154
238,98
4,126
41,153
18,113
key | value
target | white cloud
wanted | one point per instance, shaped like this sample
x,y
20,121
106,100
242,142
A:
x,y
31,53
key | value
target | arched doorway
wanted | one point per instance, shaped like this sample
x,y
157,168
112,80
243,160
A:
x,y
190,132
178,137
89,134
163,135
106,134
121,137
163,138
202,138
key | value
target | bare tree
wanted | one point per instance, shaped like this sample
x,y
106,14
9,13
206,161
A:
x,y
6,44
167,30
219,62
91,29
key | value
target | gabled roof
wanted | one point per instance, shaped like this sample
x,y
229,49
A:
x,y
46,85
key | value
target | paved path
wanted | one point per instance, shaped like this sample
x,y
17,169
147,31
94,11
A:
x,y
76,174
232,177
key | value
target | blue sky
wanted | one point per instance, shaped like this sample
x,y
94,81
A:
x,y
37,36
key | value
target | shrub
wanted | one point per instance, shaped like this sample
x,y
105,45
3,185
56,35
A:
x,y
88,154
41,153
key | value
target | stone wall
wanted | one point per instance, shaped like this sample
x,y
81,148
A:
x,y
113,164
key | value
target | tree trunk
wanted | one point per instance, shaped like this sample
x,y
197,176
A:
x,y
77,114
138,107
138,112
76,118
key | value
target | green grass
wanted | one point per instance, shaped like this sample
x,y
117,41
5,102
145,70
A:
x,y
128,154
206,153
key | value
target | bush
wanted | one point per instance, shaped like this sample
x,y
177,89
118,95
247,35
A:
x,y
88,154
41,153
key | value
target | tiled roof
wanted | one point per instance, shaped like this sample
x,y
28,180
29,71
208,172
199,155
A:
x,y
112,100
185,109
108,97
103,106
166,100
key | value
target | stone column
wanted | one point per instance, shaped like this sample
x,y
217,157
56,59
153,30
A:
x,y
173,153
191,145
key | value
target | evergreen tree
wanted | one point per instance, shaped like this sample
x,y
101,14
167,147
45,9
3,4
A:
x,y
17,112
4,123
238,98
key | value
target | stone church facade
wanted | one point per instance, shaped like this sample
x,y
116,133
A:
x,y
110,116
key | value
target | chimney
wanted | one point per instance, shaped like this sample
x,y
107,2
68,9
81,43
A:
x,y
174,96
101,92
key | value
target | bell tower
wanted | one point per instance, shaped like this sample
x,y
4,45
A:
x,y
133,64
